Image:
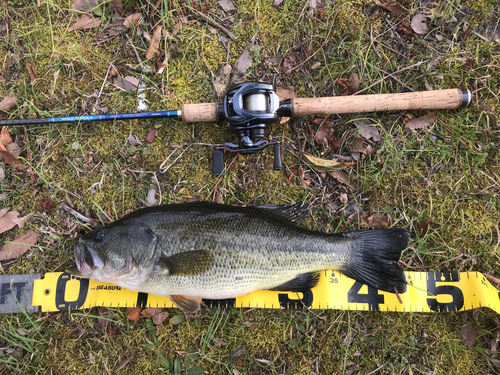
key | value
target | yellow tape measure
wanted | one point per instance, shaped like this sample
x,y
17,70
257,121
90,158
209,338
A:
x,y
426,292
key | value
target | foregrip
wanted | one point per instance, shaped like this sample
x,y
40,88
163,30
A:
x,y
203,112
438,99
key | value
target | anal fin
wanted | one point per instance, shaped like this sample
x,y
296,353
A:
x,y
300,283
188,304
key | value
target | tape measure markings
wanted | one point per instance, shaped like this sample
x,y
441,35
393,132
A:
x,y
426,292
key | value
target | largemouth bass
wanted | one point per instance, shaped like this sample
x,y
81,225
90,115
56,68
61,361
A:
x,y
214,251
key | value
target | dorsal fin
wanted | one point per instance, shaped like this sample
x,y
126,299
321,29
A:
x,y
296,214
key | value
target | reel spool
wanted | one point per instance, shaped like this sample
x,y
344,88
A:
x,y
249,108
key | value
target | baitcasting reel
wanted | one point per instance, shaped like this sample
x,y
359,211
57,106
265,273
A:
x,y
248,109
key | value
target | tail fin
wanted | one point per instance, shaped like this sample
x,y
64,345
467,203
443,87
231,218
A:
x,y
374,261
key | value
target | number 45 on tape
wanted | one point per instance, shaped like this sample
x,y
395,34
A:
x,y
426,292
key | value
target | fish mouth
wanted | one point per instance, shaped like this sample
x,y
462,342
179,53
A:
x,y
87,260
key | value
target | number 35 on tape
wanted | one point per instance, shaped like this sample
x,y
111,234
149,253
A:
x,y
426,292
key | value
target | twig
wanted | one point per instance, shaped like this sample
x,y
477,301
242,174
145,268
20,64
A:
x,y
78,215
217,25
397,71
492,279
393,77
319,49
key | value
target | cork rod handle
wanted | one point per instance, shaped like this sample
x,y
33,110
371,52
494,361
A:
x,y
438,99
203,112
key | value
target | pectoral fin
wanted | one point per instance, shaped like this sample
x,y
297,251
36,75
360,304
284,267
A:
x,y
187,263
187,303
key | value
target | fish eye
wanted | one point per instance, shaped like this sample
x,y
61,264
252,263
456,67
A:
x,y
99,236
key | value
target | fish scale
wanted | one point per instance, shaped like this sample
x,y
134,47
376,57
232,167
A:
x,y
213,251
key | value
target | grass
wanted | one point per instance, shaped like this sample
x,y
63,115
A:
x,y
449,172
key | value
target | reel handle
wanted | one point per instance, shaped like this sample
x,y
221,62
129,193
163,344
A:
x,y
437,99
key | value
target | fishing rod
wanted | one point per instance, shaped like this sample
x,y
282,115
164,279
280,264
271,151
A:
x,y
250,107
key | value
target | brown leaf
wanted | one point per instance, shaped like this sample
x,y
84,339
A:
x,y
469,335
325,133
12,160
359,145
284,94
221,81
353,82
8,103
133,313
343,178
115,70
227,5
154,47
127,83
151,135
323,165
105,326
132,20
86,22
392,6
31,71
344,82
158,319
423,227
239,363
419,24
404,27
5,138
11,219
244,62
86,5
367,131
133,140
150,312
117,6
18,246
421,122
379,221
14,149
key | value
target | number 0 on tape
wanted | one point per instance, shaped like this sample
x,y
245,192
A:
x,y
426,292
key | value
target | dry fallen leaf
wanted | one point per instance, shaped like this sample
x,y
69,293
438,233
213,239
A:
x,y
10,159
419,24
353,82
404,27
18,246
5,138
127,83
105,326
227,5
244,62
367,131
86,5
132,20
151,197
379,221
133,313
421,122
11,219
284,94
221,81
359,145
133,140
31,71
392,6
86,22
151,135
423,227
324,165
8,103
343,178
158,315
154,47
469,335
